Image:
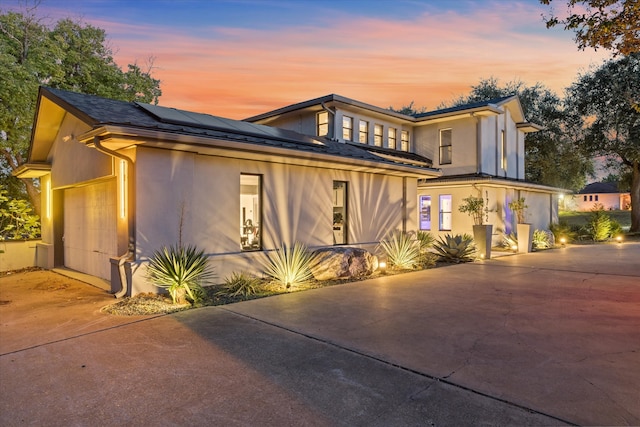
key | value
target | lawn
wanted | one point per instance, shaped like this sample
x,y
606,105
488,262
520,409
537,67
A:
x,y
581,218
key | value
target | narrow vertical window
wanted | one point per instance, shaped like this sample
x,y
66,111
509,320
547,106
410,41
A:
x,y
377,135
585,198
347,128
425,212
339,212
445,147
250,212
363,134
323,123
591,197
445,212
596,197
404,140
503,145
392,138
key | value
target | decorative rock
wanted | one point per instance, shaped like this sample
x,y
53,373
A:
x,y
342,262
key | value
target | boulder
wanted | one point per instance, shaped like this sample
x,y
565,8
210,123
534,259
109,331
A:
x,y
342,262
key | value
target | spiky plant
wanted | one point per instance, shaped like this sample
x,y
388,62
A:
x,y
182,271
402,250
288,267
240,284
458,248
563,230
542,239
510,241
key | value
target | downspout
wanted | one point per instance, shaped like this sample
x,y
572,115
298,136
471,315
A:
x,y
130,247
333,113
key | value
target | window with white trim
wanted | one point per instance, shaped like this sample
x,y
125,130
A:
x,y
347,128
445,212
377,135
392,138
322,119
445,147
404,140
363,132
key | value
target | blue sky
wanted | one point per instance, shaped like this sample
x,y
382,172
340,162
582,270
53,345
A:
x,y
240,58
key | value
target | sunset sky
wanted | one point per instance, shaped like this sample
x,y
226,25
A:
x,y
240,58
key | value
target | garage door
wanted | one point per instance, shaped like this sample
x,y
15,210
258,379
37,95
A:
x,y
90,233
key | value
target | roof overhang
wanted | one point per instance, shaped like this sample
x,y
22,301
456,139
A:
x,y
119,138
490,181
527,127
32,170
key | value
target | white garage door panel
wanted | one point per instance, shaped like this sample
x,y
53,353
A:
x,y
90,233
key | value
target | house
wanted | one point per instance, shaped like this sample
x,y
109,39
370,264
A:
x,y
479,148
121,180
602,193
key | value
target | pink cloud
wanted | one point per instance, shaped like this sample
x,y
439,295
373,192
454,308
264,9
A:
x,y
428,59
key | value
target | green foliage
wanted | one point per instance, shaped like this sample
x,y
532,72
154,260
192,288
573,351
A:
x,y
68,55
610,24
541,239
402,250
182,271
240,284
458,248
289,267
615,229
599,224
474,207
425,241
16,220
510,241
519,207
564,230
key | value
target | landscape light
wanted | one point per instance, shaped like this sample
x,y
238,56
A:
x,y
382,266
619,239
563,241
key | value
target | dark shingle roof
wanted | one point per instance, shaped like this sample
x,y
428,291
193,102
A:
x,y
463,107
600,187
99,111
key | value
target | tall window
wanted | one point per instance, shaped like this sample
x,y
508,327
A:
x,y
377,135
404,140
339,212
445,212
503,145
425,212
393,137
363,134
347,128
323,123
250,212
445,147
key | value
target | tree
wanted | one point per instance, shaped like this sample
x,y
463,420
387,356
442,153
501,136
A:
x,y
551,155
607,101
610,24
68,55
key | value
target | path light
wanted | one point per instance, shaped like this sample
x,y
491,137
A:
x,y
382,266
563,241
619,239
514,247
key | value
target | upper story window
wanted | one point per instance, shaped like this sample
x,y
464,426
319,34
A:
x,y
322,119
445,146
377,135
392,136
363,134
347,128
503,147
404,140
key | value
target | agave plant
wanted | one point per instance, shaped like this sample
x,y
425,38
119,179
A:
x,y
402,250
182,271
289,266
458,248
542,239
240,284
510,241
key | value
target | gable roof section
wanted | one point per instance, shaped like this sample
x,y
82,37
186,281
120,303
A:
x,y
171,124
600,188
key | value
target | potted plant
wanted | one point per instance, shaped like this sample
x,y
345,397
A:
x,y
523,229
474,207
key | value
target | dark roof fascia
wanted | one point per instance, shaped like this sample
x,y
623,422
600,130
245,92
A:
x,y
395,153
47,93
470,178
491,103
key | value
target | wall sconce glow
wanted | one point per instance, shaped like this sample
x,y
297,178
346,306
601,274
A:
x,y
48,198
123,189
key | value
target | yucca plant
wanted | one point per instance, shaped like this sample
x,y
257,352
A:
x,y
458,248
541,239
425,242
182,271
289,266
510,241
402,250
240,284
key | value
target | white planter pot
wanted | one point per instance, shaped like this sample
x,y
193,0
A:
x,y
482,235
525,237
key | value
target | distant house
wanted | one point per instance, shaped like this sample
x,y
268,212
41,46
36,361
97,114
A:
x,y
603,193
120,179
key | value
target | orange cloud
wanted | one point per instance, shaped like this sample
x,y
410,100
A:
x,y
428,59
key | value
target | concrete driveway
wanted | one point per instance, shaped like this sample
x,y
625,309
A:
x,y
550,338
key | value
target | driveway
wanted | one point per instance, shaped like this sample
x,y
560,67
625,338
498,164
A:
x,y
550,338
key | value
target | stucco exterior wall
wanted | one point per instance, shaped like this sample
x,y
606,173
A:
x,y
200,195
463,143
608,200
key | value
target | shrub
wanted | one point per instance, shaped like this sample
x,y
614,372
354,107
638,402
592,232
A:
x,y
182,271
510,241
542,239
403,252
458,248
16,220
474,207
289,267
425,242
616,229
599,224
240,284
519,208
563,229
